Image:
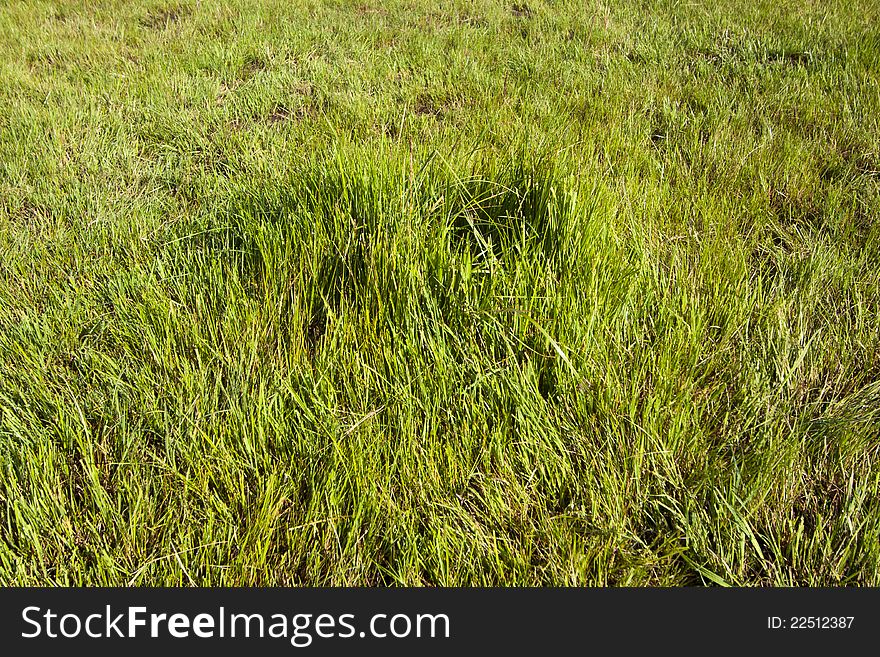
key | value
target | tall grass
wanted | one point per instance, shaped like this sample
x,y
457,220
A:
x,y
300,294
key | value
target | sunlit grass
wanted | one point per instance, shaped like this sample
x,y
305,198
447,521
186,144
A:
x,y
462,294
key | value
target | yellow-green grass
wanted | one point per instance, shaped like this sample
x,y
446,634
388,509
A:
x,y
459,293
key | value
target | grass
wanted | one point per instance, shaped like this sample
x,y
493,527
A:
x,y
468,293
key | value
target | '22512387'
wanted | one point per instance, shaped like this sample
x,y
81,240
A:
x,y
810,622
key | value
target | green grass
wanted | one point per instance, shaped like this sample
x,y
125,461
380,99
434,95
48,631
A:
x,y
458,293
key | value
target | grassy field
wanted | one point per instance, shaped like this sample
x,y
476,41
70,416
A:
x,y
443,293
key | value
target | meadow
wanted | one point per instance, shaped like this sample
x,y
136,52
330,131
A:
x,y
471,292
